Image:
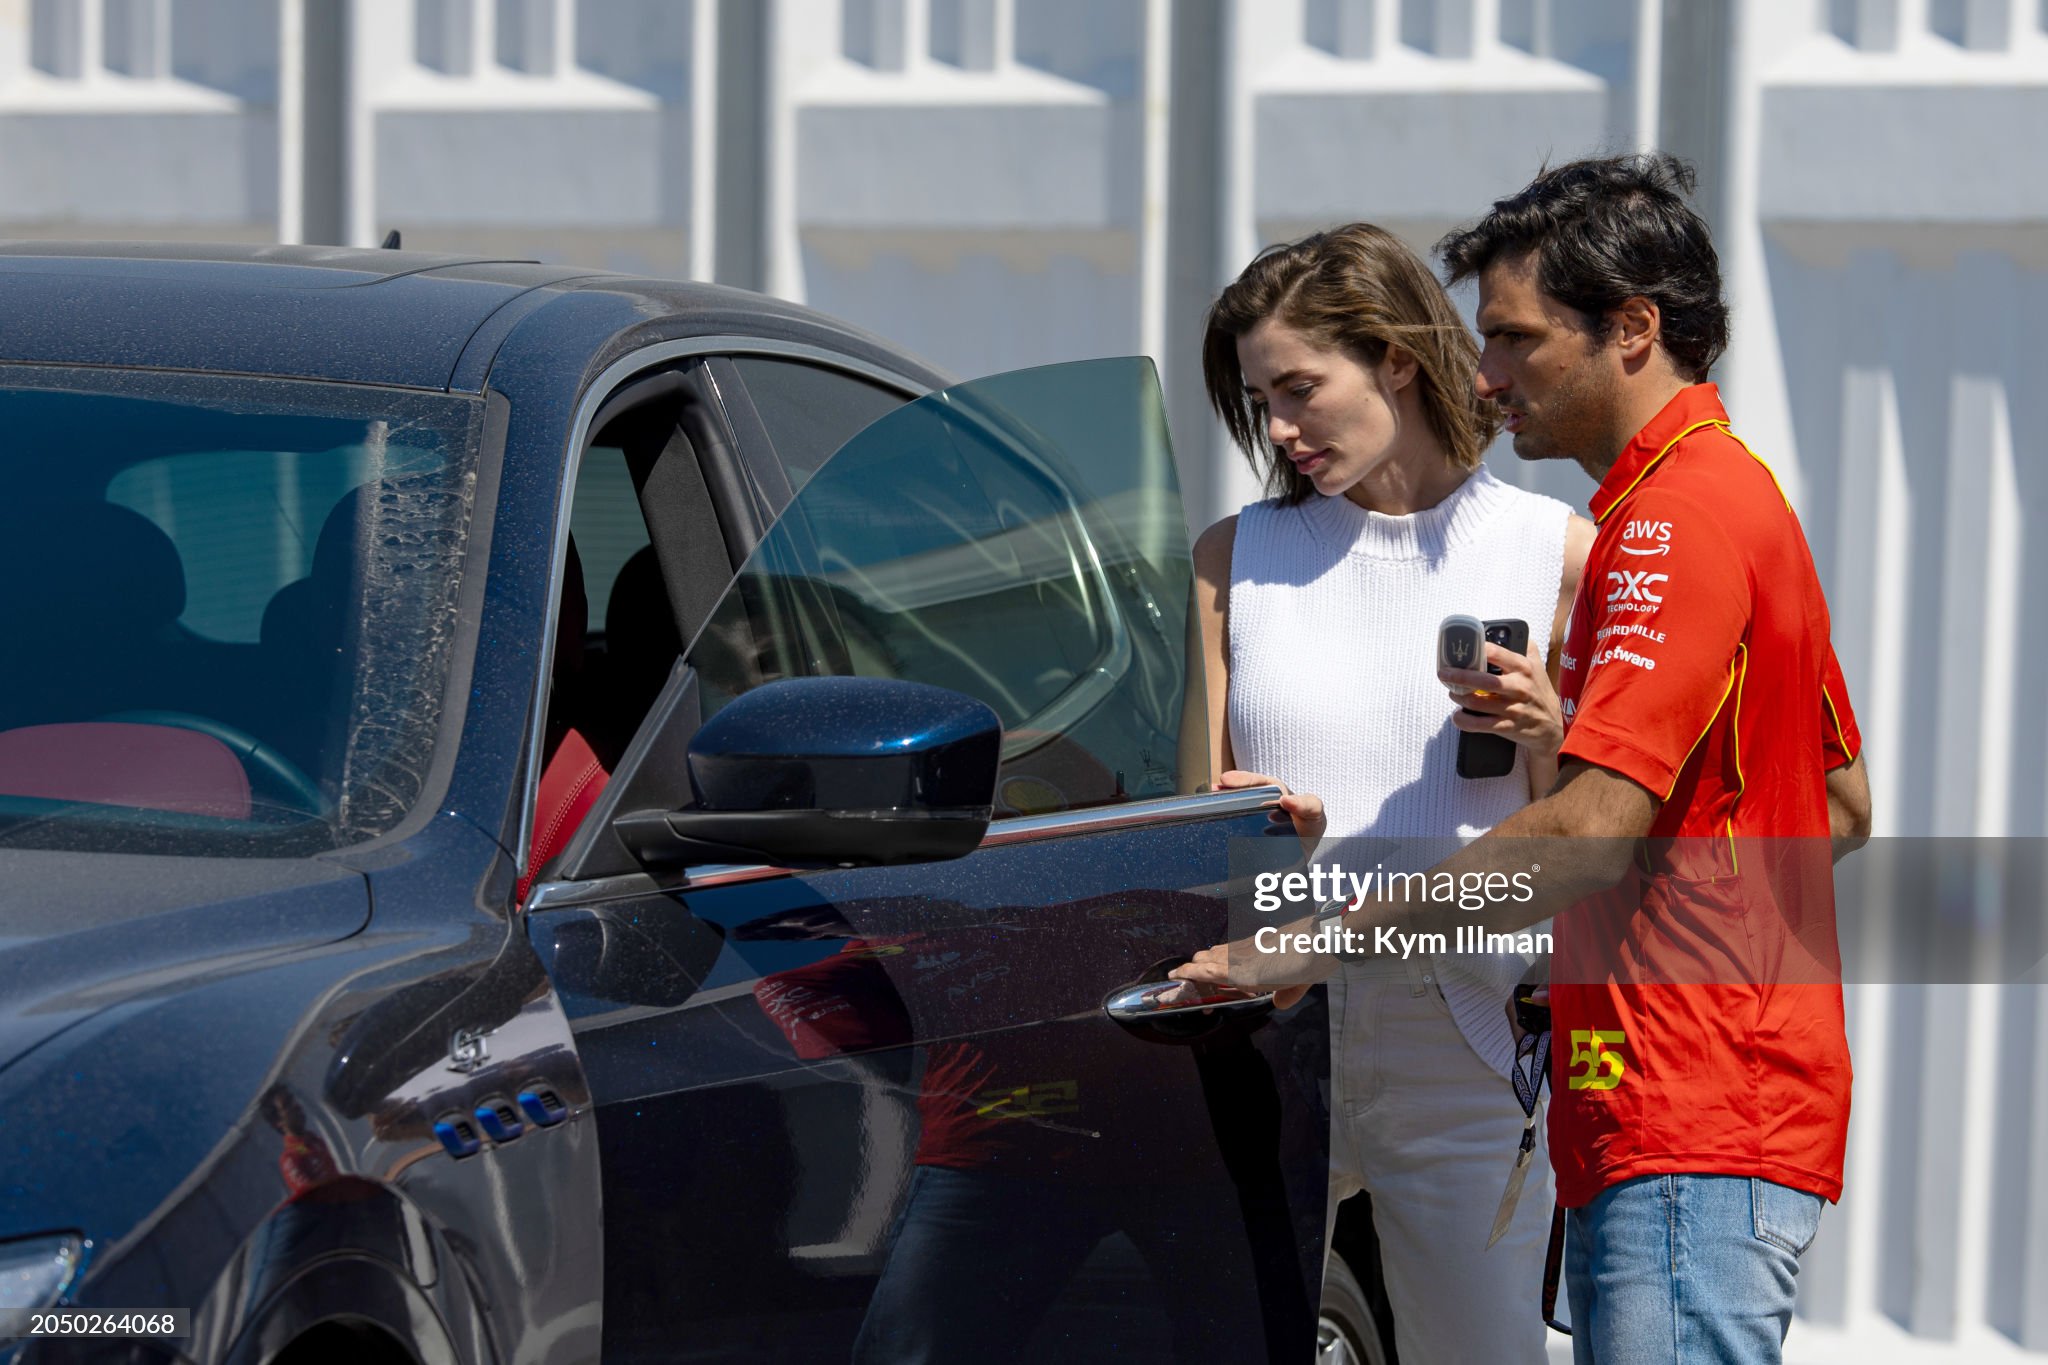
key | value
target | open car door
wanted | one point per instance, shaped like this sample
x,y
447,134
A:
x,y
881,1111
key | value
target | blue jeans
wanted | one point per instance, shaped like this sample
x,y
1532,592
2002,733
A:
x,y
1684,1269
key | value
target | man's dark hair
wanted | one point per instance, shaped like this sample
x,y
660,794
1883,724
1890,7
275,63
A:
x,y
1604,230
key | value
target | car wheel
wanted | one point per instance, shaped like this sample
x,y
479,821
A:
x,y
1346,1333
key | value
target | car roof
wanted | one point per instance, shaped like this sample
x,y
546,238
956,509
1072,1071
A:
x,y
352,314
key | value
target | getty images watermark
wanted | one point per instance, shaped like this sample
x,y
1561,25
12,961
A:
x,y
1328,891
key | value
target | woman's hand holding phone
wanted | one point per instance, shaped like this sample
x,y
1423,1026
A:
x,y
1517,703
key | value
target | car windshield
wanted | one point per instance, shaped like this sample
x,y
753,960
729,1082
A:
x,y
230,611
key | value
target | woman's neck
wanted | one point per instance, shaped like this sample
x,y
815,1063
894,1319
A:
x,y
1411,482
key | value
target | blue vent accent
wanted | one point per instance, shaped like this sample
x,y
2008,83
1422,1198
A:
x,y
500,1120
543,1106
458,1135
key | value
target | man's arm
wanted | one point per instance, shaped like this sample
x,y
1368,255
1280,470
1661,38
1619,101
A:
x,y
1849,808
1577,841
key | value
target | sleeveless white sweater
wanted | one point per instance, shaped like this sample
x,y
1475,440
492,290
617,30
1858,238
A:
x,y
1332,626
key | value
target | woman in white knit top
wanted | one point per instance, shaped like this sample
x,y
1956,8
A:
x,y
1344,373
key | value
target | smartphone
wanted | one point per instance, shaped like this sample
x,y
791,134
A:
x,y
1461,643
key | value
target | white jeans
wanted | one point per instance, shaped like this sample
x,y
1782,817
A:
x,y
1430,1131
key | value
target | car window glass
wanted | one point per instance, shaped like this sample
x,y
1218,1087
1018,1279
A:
x,y
1017,538
616,637
232,510
234,603
605,519
810,411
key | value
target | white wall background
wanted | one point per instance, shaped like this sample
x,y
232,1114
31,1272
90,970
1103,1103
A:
x,y
1006,182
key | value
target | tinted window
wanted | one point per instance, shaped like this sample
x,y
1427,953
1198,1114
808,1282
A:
x,y
606,522
232,608
810,411
1018,539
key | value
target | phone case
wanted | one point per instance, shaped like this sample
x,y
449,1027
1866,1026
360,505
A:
x,y
1493,755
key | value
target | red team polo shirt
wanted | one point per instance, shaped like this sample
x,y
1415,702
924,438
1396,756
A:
x,y
1698,1005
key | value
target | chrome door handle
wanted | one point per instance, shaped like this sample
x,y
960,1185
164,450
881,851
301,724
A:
x,y
1163,1010
1149,1000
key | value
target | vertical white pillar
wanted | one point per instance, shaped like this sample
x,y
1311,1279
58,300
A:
x,y
1910,23
1230,483
563,48
917,34
703,224
1871,603
14,44
1004,21
1979,569
1649,71
1754,372
321,186
1155,130
92,39
1485,33
1236,232
783,272
1386,27
1870,606
483,36
291,120
1155,127
359,147
1990,421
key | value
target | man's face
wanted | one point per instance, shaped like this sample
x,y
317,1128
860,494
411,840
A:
x,y
1553,380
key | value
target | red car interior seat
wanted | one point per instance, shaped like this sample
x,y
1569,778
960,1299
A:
x,y
572,776
116,763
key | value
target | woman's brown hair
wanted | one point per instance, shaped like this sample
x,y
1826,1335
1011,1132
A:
x,y
1357,289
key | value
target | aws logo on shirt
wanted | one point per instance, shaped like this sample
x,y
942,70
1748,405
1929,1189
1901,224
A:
x,y
1657,534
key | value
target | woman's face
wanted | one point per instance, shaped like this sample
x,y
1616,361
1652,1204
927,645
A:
x,y
1328,414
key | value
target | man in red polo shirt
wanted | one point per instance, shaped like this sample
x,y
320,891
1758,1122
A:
x,y
1709,771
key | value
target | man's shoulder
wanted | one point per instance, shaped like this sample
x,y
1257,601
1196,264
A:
x,y
1721,491
1725,475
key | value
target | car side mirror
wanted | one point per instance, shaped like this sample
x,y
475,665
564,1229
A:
x,y
831,772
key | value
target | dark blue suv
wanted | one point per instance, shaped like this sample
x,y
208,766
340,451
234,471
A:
x,y
547,815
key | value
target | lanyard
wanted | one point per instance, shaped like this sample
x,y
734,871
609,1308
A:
x,y
1531,1065
1529,1070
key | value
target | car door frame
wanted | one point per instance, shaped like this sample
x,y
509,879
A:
x,y
626,370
